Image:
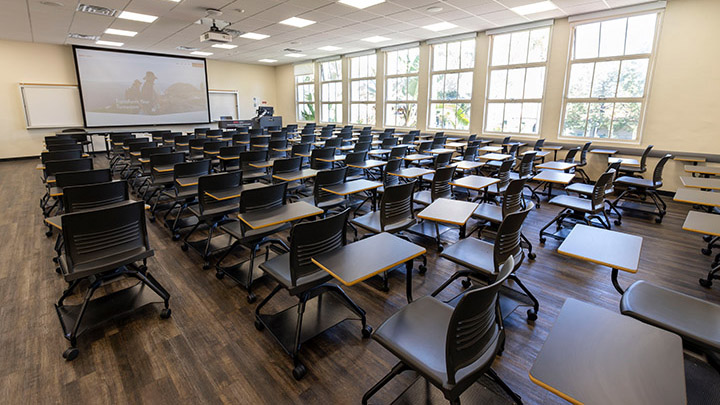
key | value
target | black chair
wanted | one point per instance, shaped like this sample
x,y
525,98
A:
x,y
321,153
242,140
212,212
161,175
586,190
483,259
60,155
362,146
58,166
295,272
71,145
638,189
229,158
289,165
181,144
278,148
526,171
494,165
452,348
250,173
503,174
308,138
197,147
102,245
538,148
333,143
439,187
325,178
181,197
397,152
583,162
214,133
395,213
355,158
90,196
633,170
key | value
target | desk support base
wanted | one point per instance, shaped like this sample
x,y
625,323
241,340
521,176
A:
x,y
615,282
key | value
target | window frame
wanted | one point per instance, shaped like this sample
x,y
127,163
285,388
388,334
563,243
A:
x,y
644,100
387,77
338,82
367,103
446,71
508,67
299,103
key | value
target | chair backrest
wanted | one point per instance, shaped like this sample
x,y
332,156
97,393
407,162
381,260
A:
x,y
60,155
397,152
242,139
438,142
59,140
474,323
192,169
307,130
396,204
525,167
252,156
89,196
166,159
507,239
307,138
470,153
600,189
104,232
442,160
63,146
138,146
197,145
333,142
644,156
362,147
391,166
214,183
146,152
513,150
263,198
287,165
65,179
408,139
321,153
69,165
255,131
231,151
213,146
313,238
584,152
201,131
325,178
504,174
539,144
471,138
657,173
300,148
440,186
513,199
424,146
388,143
570,157
258,142
355,157
365,138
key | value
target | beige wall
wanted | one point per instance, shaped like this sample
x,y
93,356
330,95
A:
x,y
24,62
682,110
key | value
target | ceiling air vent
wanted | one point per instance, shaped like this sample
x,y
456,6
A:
x,y
186,48
292,50
85,37
88,8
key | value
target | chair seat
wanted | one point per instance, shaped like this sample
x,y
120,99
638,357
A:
x,y
371,222
279,268
637,182
223,209
630,169
585,189
103,263
234,229
182,193
489,212
428,177
472,253
695,320
423,197
575,203
408,336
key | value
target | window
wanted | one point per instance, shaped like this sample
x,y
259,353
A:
x,y
451,84
401,87
608,77
362,89
516,81
331,91
305,92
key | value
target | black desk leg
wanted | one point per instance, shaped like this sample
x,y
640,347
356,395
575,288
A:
x,y
549,190
408,278
615,282
374,199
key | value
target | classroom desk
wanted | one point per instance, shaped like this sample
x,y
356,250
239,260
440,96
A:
x,y
56,221
467,165
700,182
368,164
556,165
608,152
286,213
358,261
706,171
596,356
491,149
334,159
494,156
538,153
617,250
438,151
441,212
698,197
227,158
705,223
263,164
187,181
477,183
551,177
691,159
354,187
164,168
456,145
415,157
229,194
40,166
373,152
624,161
553,148
294,176
411,172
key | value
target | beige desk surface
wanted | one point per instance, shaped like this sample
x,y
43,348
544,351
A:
x,y
475,182
613,249
448,211
702,222
554,176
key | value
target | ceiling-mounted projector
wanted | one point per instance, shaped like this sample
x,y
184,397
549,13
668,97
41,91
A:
x,y
215,36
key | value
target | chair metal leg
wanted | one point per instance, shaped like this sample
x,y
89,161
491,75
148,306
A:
x,y
493,375
536,303
396,370
458,274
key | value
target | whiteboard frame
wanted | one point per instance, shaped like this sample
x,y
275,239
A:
x,y
237,101
21,88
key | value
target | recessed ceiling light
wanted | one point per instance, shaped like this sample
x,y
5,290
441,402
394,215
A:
x,y
109,43
295,55
176,1
113,31
52,3
441,26
434,9
329,48
375,39
361,3
252,35
297,22
535,8
225,46
200,53
129,15
267,60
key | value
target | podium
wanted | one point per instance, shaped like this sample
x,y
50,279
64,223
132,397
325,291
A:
x,y
266,121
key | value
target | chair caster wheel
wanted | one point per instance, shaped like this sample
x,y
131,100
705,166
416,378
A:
x,y
440,248
706,251
385,289
367,331
206,266
184,247
705,283
49,233
532,256
531,315
259,325
165,313
251,298
618,222
422,269
542,241
466,283
658,220
55,259
151,219
299,372
58,270
220,275
176,237
707,238
71,353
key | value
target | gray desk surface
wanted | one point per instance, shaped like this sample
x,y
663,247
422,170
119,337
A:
x,y
417,156
233,193
596,356
554,176
352,187
624,161
368,257
448,211
556,165
494,156
438,151
696,196
700,182
702,222
286,213
489,148
613,249
187,181
336,158
412,172
551,147
475,182
299,175
712,170
368,164
467,165
696,159
604,151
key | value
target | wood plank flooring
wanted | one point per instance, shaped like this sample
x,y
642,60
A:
x,y
210,352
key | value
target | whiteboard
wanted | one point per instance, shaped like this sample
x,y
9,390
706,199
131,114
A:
x,y
223,103
51,106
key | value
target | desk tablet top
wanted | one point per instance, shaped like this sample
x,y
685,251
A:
x,y
596,356
703,169
299,175
448,211
417,156
352,187
188,181
164,169
538,153
551,147
412,172
438,151
696,196
365,258
556,165
286,213
554,176
494,156
702,222
624,161
467,165
368,164
601,246
455,145
604,151
489,148
336,158
222,195
689,159
700,182
475,182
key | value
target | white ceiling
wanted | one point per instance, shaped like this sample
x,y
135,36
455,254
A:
x,y
337,24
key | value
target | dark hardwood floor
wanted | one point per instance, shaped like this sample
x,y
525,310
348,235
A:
x,y
210,352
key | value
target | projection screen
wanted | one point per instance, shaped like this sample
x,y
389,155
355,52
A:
x,y
124,88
